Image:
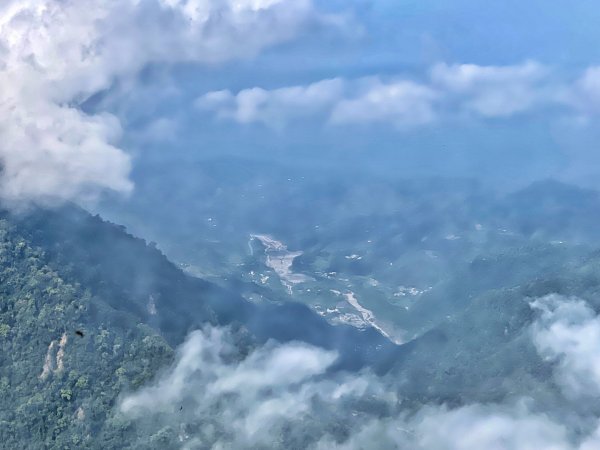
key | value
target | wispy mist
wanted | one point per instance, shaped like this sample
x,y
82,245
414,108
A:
x,y
282,396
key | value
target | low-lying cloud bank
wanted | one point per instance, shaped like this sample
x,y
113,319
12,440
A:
x,y
55,54
282,396
448,91
214,397
568,332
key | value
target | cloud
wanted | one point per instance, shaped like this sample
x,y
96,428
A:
x,y
492,91
568,333
402,103
448,91
473,427
228,401
275,107
286,396
337,101
161,129
282,396
494,428
55,54
584,95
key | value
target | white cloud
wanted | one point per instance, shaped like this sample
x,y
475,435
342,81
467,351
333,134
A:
x,y
402,103
235,402
162,129
275,107
449,91
337,101
568,332
492,91
283,395
492,428
54,54
473,427
584,95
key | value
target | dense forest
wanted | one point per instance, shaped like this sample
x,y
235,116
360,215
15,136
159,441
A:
x,y
66,354
90,313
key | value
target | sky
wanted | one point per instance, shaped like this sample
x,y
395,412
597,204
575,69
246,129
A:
x,y
505,91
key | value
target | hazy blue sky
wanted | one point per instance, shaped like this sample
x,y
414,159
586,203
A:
x,y
502,90
508,91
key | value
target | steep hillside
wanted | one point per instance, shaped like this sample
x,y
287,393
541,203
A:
x,y
66,353
88,311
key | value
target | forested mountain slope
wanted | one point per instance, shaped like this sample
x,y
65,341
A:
x,y
87,311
